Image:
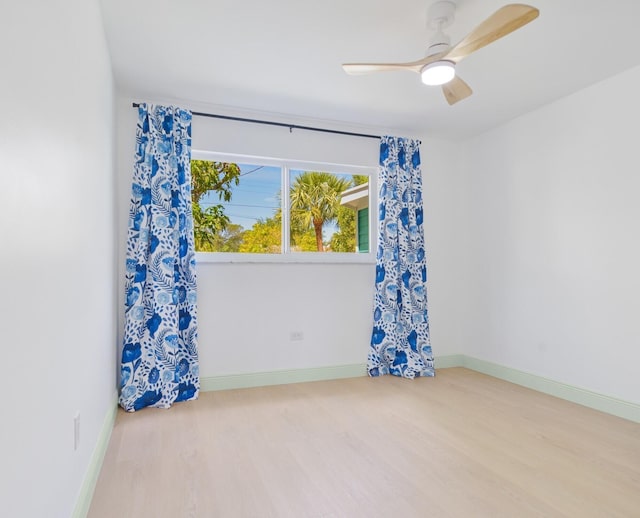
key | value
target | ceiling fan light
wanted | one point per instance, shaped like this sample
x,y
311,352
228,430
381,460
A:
x,y
438,72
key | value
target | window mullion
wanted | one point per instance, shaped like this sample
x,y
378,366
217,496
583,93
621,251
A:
x,y
373,213
285,203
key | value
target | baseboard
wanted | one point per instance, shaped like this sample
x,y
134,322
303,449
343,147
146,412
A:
x,y
95,463
282,377
445,362
588,398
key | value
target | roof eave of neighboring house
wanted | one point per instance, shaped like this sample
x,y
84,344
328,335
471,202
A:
x,y
356,197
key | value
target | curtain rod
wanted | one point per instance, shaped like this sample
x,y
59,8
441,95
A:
x,y
281,124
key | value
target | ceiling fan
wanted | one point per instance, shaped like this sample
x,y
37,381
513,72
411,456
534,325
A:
x,y
438,66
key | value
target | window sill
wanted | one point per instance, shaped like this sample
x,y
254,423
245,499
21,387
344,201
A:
x,y
291,258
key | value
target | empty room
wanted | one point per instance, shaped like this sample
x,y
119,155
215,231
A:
x,y
354,258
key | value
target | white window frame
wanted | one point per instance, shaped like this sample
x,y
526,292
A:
x,y
287,256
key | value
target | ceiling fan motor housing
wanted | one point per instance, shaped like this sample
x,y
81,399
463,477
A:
x,y
438,48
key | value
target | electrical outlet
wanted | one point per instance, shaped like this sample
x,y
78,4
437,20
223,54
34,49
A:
x,y
296,336
76,431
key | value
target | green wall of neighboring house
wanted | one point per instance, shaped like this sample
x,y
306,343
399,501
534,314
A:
x,y
363,230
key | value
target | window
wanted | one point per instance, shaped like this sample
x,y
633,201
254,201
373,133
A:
x,y
261,209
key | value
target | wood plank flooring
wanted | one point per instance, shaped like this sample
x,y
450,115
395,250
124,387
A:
x,y
461,444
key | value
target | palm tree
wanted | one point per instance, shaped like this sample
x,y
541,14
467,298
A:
x,y
315,198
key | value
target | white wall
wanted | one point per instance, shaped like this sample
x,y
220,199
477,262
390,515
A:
x,y
554,252
57,263
247,311
447,234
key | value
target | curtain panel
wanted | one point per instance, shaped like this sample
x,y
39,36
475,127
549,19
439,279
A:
x,y
159,357
400,342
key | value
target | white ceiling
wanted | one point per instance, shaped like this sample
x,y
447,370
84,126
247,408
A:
x,y
284,56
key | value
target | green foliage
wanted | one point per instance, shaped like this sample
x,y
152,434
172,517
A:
x,y
207,224
213,176
315,199
227,240
303,241
263,237
344,240
210,223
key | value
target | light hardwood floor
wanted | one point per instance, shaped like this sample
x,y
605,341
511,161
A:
x,y
461,444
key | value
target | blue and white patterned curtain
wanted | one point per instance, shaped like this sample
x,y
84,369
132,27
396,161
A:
x,y
160,357
400,343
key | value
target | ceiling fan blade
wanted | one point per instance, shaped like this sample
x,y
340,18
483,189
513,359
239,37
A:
x,y
504,21
368,68
456,90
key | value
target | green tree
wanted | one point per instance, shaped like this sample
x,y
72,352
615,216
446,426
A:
x,y
263,237
344,240
315,198
359,179
303,240
227,240
218,177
